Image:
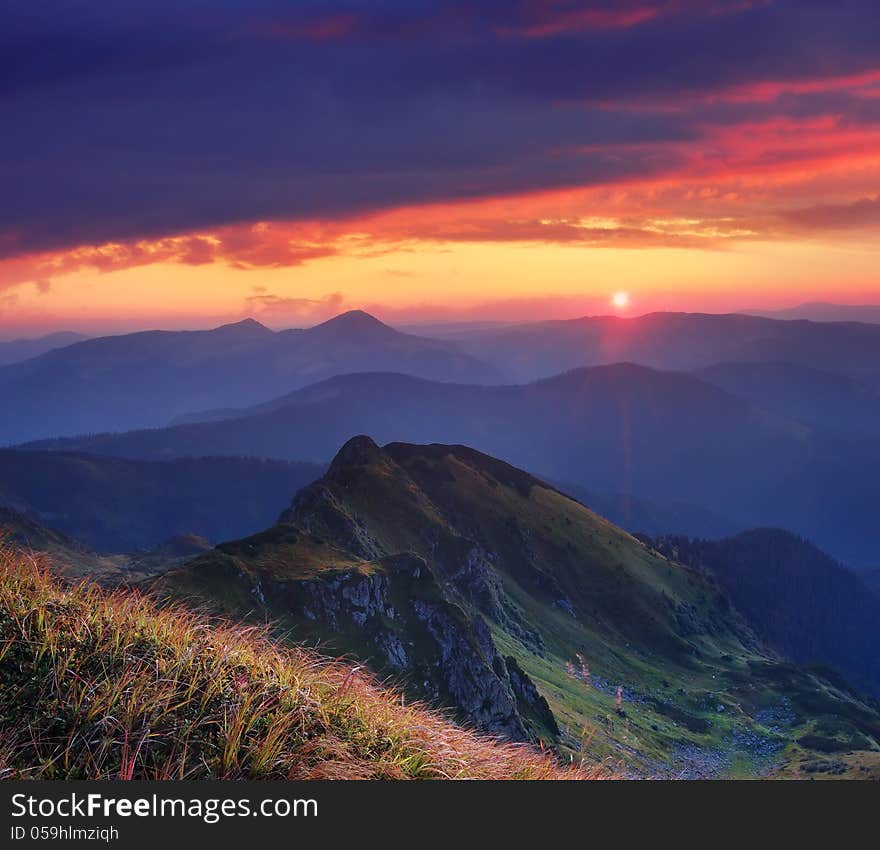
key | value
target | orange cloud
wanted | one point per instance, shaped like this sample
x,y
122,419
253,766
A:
x,y
740,183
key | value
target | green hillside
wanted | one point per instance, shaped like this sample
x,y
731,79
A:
x,y
481,588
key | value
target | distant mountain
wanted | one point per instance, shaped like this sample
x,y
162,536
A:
x,y
479,587
823,311
16,350
74,560
820,399
678,341
115,505
644,516
660,436
803,602
146,379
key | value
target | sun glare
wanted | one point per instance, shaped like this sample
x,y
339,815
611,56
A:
x,y
620,300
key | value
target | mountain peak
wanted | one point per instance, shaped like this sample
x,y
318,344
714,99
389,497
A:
x,y
354,321
358,451
246,327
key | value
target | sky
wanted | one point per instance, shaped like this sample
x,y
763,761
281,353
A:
x,y
181,163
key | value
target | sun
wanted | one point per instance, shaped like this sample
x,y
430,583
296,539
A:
x,y
620,300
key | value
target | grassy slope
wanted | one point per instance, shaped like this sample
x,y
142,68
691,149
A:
x,y
698,701
96,684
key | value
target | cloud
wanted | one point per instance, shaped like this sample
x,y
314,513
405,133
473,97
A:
x,y
130,129
259,245
287,311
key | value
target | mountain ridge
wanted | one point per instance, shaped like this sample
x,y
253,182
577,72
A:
x,y
19,350
146,379
656,435
478,586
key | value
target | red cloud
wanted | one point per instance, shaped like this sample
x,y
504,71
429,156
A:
x,y
736,182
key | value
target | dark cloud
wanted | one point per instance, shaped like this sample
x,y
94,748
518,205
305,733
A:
x,y
127,121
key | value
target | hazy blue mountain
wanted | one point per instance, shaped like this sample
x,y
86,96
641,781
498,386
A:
x,y
660,436
824,311
822,399
146,379
16,350
680,341
119,505
643,516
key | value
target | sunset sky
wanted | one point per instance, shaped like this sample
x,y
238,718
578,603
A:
x,y
186,163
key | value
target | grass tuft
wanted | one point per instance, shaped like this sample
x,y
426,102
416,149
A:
x,y
97,684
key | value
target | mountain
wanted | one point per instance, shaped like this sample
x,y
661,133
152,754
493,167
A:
x,y
16,350
678,341
146,379
116,505
149,379
823,311
646,517
803,602
817,398
663,437
85,673
481,588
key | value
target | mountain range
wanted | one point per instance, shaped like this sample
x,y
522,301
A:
x,y
481,588
820,399
660,436
677,341
146,379
16,350
113,505
476,549
149,379
824,311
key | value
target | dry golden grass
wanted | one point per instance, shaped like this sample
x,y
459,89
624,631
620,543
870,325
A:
x,y
98,684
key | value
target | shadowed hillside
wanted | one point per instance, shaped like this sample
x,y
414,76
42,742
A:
x,y
117,505
803,602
